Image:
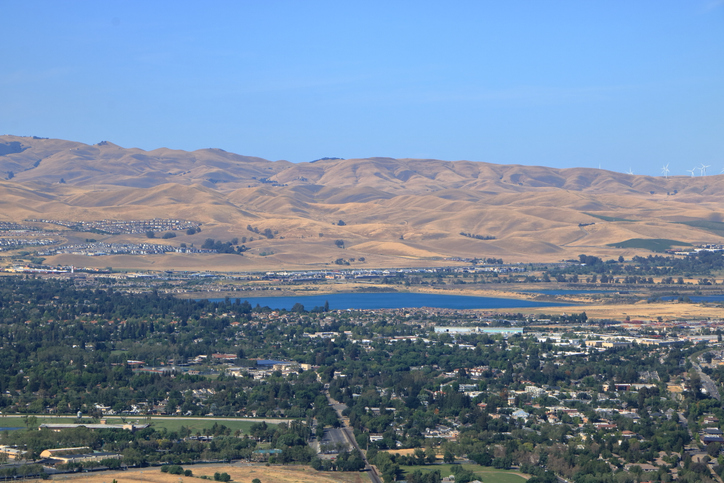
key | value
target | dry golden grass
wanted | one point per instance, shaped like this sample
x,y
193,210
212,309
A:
x,y
394,249
238,473
396,211
671,311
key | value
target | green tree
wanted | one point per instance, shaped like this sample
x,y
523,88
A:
x,y
430,455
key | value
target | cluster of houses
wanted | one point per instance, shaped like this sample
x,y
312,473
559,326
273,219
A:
x,y
12,226
97,249
7,243
360,274
202,365
124,227
700,248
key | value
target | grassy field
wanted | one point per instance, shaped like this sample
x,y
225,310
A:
x,y
716,227
488,475
653,244
172,424
607,218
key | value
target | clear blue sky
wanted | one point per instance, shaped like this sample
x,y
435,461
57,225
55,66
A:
x,y
620,84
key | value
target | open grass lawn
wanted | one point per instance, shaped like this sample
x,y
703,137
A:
x,y
487,474
200,425
172,424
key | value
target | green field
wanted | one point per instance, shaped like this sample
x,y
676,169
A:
x,y
607,218
716,227
171,424
487,474
652,244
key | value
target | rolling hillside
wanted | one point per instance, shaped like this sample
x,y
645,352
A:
x,y
395,211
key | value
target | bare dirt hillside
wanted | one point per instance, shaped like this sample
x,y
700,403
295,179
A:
x,y
393,211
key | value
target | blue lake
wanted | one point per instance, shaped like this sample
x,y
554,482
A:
x,y
344,301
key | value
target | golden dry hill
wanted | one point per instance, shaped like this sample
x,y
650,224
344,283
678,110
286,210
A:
x,y
395,212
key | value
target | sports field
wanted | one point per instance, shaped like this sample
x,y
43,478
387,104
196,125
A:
x,y
486,474
170,423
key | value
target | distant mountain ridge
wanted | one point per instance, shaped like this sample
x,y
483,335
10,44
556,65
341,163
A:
x,y
33,159
391,207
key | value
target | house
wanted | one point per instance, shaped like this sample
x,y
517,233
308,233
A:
x,y
534,391
520,414
12,452
224,357
712,438
264,454
81,454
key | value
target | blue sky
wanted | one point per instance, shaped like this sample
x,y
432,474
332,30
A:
x,y
620,84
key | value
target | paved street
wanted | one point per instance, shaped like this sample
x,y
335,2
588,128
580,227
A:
x,y
349,433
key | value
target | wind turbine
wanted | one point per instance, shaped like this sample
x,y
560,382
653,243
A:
x,y
703,169
630,171
665,170
691,171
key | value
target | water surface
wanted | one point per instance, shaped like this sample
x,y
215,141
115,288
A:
x,y
344,301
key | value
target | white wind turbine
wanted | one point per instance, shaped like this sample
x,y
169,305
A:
x,y
630,171
691,171
665,171
703,169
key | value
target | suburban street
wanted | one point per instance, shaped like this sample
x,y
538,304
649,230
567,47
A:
x,y
349,433
706,383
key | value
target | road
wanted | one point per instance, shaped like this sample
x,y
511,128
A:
x,y
349,433
211,418
334,437
711,390
707,384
